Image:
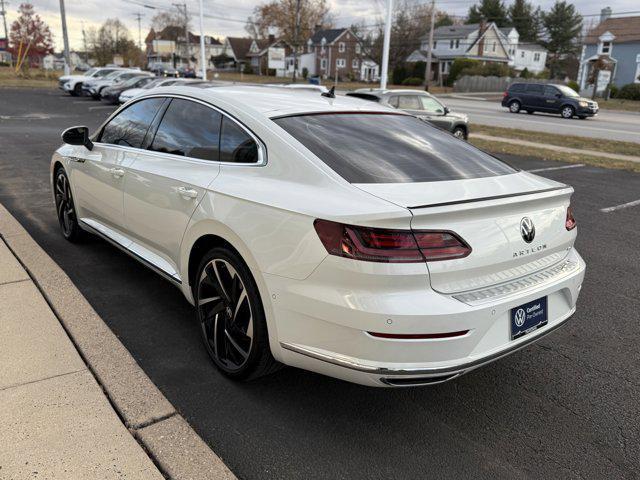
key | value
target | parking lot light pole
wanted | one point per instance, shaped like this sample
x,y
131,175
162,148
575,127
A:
x,y
202,53
65,38
427,70
387,43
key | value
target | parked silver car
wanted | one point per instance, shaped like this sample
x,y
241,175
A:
x,y
421,104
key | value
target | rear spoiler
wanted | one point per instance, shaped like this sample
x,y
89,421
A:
x,y
484,199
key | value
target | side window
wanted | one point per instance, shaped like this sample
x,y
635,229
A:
x,y
189,129
431,105
409,102
236,145
517,87
393,101
534,88
550,91
129,127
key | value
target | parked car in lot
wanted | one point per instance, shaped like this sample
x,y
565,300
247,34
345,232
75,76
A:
x,y
186,72
72,84
330,234
128,94
548,98
112,93
420,104
93,88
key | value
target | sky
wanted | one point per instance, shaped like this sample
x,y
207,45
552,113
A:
x,y
230,14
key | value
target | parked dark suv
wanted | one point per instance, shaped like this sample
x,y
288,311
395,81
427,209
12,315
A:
x,y
548,98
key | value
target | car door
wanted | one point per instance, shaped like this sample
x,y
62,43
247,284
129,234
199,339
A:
x,y
98,175
533,96
410,104
167,181
434,113
552,99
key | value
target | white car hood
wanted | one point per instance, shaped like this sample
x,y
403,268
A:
x,y
132,92
66,78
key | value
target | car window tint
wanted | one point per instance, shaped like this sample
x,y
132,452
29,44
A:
x,y
393,101
517,87
130,126
534,88
409,102
431,105
189,129
389,148
550,91
236,145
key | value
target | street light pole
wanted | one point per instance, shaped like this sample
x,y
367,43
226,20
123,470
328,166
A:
x,y
387,43
427,70
3,12
65,37
296,40
202,53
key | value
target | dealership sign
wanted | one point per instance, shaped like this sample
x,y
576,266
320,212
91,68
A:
x,y
276,58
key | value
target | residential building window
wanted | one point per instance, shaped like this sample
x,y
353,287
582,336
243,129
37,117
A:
x,y
341,63
323,64
536,57
606,47
521,53
358,48
457,42
493,47
341,47
435,44
354,63
451,45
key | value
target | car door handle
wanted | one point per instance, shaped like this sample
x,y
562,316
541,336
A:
x,y
187,192
116,172
76,159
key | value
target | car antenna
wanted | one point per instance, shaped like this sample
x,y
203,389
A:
x,y
331,93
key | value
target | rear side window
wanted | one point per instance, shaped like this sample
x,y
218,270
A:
x,y
388,148
409,102
189,129
517,87
236,145
129,127
535,88
393,101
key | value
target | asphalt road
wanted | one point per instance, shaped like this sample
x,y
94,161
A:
x,y
607,124
566,407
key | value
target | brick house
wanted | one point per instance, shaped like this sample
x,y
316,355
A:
x,y
338,51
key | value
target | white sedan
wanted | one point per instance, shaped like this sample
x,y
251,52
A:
x,y
331,234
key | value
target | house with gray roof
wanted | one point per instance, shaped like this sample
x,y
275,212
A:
x,y
615,41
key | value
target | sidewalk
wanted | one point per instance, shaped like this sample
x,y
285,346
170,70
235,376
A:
x,y
55,421
579,151
74,403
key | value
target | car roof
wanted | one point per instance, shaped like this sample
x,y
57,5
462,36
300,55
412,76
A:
x,y
273,101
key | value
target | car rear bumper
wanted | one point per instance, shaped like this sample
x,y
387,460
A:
x,y
328,333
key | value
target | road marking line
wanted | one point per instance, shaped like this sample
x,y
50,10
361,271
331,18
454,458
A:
x,y
620,207
102,106
82,101
578,165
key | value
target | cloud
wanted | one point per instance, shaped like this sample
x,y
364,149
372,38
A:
x,y
91,13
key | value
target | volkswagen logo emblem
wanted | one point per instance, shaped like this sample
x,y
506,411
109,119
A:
x,y
520,317
527,229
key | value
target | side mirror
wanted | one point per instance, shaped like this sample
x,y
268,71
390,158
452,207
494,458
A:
x,y
558,95
77,136
447,110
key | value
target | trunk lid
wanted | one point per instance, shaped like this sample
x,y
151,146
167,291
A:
x,y
487,213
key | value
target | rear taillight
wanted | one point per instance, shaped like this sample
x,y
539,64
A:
x,y
504,95
389,246
570,222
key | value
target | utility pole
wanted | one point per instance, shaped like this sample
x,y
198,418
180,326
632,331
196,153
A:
x,y
4,19
139,19
296,40
65,37
387,43
202,53
182,8
427,70
84,45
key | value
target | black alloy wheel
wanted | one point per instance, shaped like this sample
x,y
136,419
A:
x,y
65,207
231,317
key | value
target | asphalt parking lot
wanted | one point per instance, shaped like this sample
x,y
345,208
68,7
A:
x,y
566,407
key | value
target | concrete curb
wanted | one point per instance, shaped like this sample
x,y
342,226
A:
x,y
173,445
579,151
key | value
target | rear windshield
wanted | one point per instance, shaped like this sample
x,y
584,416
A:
x,y
387,148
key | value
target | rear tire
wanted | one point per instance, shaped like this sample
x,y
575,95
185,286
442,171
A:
x,y
567,112
514,106
460,132
231,316
77,90
65,208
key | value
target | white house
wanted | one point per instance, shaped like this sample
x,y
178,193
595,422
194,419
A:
x,y
523,55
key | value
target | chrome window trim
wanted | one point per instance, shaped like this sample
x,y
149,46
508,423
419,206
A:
x,y
262,148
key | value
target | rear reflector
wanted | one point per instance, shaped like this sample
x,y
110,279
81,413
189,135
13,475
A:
x,y
419,336
387,245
